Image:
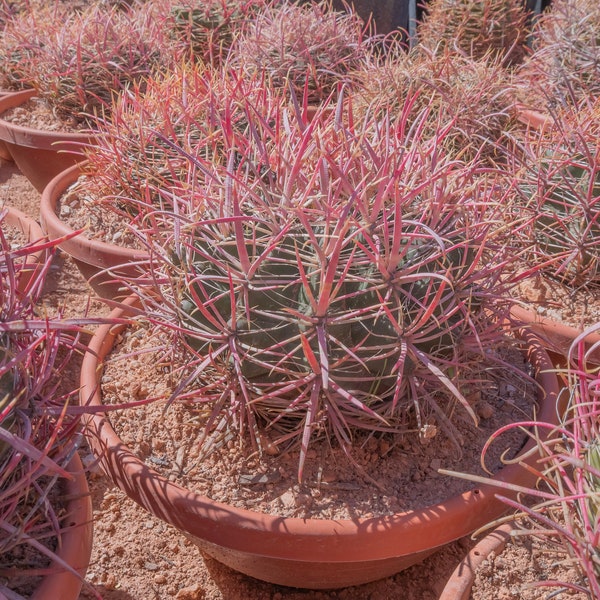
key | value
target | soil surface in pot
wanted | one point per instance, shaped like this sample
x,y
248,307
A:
x,y
138,557
77,211
390,473
36,113
578,307
13,235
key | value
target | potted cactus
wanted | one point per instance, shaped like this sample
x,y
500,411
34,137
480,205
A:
x,y
346,280
490,29
198,32
559,187
563,509
473,98
309,49
133,169
563,69
75,67
45,508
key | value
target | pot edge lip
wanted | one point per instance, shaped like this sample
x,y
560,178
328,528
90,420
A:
x,y
80,503
460,582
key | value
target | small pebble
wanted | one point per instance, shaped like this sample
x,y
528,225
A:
x,y
287,500
485,410
110,582
194,592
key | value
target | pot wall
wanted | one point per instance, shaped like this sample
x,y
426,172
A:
x,y
557,337
33,232
92,257
76,542
40,155
461,581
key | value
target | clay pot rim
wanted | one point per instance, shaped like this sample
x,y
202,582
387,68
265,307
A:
x,y
31,137
55,228
533,118
557,336
77,540
368,539
32,230
460,583
28,225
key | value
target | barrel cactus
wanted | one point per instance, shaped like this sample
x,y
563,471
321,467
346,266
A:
x,y
39,432
141,152
202,31
560,185
478,28
309,48
345,289
564,69
472,97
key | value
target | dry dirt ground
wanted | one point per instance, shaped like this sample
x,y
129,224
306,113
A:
x,y
138,557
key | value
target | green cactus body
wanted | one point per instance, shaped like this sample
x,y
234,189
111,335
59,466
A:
x,y
299,316
592,458
567,226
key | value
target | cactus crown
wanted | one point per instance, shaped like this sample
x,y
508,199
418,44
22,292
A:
x,y
564,68
198,31
561,187
309,48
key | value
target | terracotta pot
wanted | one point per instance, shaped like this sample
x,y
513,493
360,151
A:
x,y
4,152
92,257
75,543
557,337
33,232
306,553
40,155
461,581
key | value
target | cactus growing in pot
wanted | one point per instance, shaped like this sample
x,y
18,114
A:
x,y
472,97
490,29
198,32
558,188
563,68
560,185
346,288
562,509
310,48
196,107
76,60
23,36
44,506
74,70
94,54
